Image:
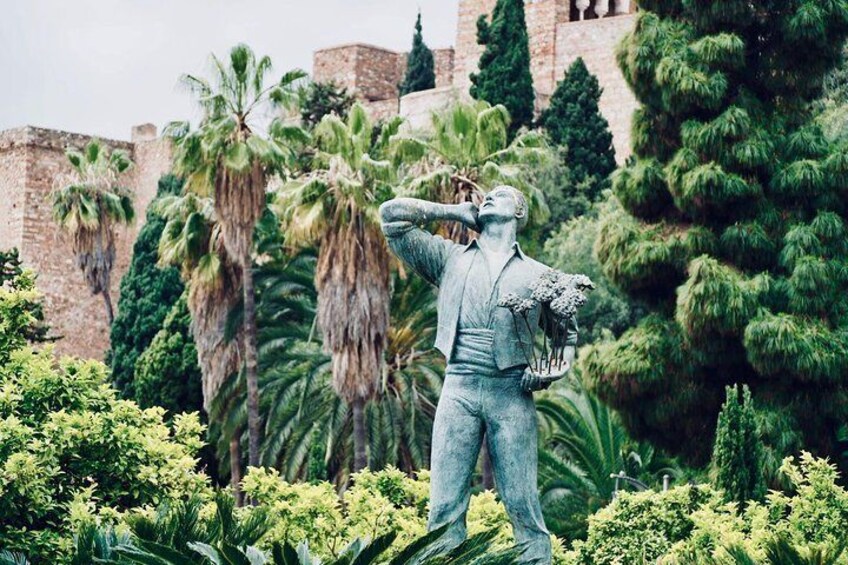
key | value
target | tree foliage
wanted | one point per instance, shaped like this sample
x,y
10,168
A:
x,y
468,153
323,98
21,307
307,428
335,205
230,156
70,449
583,445
734,223
737,453
167,373
608,311
420,67
504,76
574,122
148,292
694,524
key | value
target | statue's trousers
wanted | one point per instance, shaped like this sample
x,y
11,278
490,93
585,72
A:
x,y
477,398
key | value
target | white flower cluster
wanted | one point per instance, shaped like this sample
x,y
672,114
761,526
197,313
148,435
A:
x,y
564,293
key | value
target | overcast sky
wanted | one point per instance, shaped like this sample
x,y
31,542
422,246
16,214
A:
x,y
101,66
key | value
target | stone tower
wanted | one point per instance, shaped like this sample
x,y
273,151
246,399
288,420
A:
x,y
30,160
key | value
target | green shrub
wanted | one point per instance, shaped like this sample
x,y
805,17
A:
x,y
70,449
694,525
378,503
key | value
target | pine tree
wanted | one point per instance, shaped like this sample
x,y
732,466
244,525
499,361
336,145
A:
x,y
420,67
733,226
147,295
574,121
504,76
738,453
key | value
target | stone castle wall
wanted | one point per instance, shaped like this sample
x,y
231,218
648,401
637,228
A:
x,y
557,36
595,42
30,159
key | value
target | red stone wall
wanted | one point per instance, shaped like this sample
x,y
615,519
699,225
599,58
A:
x,y
12,172
29,163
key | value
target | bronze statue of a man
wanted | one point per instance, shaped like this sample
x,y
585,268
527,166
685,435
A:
x,y
488,384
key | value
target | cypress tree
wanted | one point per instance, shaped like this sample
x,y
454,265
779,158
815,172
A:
x,y
167,373
147,295
420,67
574,121
733,226
504,76
737,453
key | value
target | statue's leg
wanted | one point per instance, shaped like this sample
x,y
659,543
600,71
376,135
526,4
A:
x,y
511,432
457,433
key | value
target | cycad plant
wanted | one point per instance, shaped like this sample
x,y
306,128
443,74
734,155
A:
x,y
334,205
229,158
734,224
582,444
467,153
88,203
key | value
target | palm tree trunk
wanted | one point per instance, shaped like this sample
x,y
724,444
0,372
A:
x,y
360,460
254,425
235,468
110,313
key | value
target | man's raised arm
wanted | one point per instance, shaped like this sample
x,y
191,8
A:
x,y
420,212
424,252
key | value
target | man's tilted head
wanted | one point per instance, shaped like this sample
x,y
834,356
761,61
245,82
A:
x,y
504,204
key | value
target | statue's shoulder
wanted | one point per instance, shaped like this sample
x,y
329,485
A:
x,y
537,267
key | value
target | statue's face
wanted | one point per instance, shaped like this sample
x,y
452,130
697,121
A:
x,y
499,205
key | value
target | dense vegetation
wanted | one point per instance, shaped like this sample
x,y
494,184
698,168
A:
x,y
574,122
261,292
732,227
70,448
147,294
504,76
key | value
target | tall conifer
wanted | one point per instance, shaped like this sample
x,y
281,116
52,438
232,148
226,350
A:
x,y
147,294
733,225
574,121
420,67
737,452
504,76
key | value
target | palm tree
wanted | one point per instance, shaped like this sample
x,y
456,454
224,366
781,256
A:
x,y
88,203
306,426
582,444
335,205
229,157
191,240
400,425
468,153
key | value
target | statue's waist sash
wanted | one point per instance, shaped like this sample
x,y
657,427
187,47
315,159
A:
x,y
473,354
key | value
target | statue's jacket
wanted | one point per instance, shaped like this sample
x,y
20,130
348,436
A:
x,y
446,264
